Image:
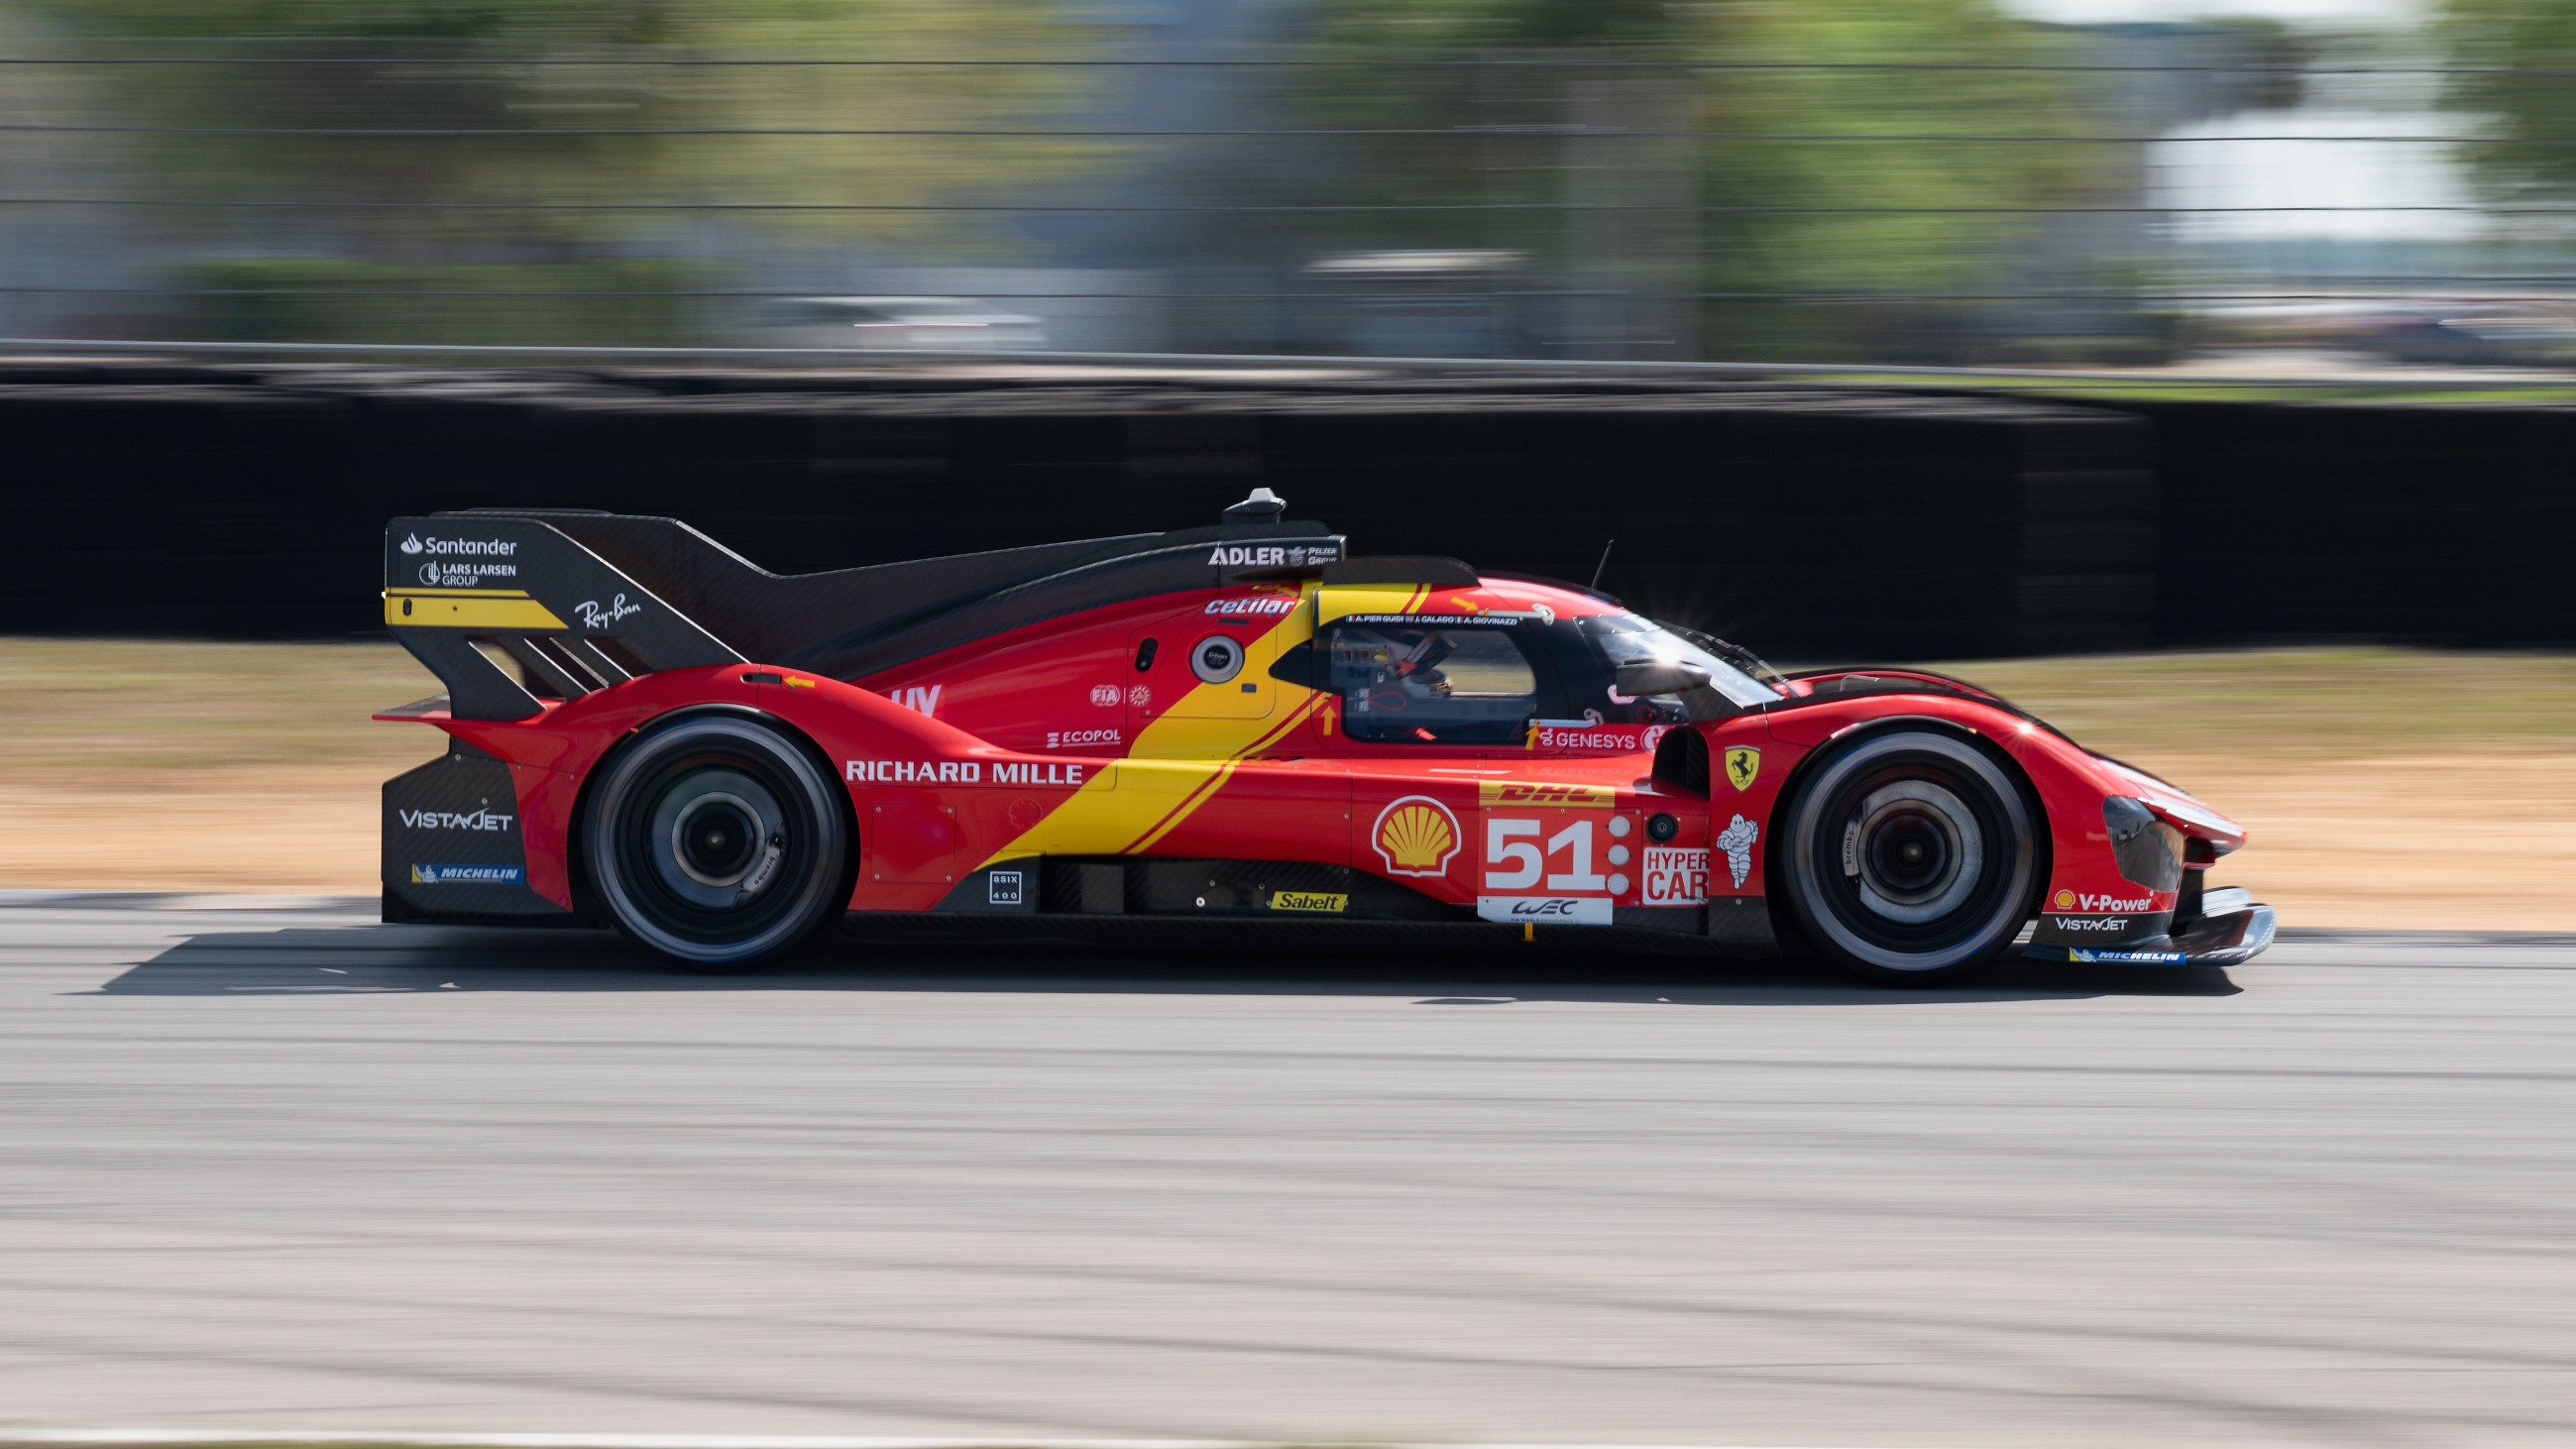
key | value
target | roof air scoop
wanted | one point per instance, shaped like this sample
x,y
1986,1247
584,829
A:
x,y
1261,509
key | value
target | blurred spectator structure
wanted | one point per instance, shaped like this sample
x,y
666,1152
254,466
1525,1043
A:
x,y
1843,180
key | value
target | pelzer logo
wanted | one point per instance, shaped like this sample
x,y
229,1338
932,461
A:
x,y
2082,901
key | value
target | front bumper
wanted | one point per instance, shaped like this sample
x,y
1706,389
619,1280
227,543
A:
x,y
2228,939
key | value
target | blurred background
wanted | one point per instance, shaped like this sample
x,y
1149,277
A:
x,y
2298,185
1036,251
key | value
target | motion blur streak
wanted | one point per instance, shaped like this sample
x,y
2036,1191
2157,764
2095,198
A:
x,y
1927,182
293,1172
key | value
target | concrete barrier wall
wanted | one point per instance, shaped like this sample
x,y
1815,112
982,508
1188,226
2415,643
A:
x,y
2441,523
1811,525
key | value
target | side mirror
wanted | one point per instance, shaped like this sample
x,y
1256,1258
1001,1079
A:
x,y
1652,677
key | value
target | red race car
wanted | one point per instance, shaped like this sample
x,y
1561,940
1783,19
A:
x,y
1239,721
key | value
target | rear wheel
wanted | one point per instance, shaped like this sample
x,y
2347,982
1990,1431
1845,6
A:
x,y
717,841
1911,856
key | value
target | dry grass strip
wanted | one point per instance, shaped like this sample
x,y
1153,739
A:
x,y
2383,787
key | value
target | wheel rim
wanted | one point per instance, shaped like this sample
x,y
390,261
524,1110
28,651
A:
x,y
1914,851
719,837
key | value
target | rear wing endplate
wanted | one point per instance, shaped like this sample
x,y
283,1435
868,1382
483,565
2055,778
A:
x,y
462,590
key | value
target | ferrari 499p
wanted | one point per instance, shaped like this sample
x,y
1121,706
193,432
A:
x,y
1237,722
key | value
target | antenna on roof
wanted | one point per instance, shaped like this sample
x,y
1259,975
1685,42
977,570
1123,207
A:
x,y
1263,506
1605,563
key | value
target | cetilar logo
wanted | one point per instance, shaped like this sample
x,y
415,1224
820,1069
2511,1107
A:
x,y
411,544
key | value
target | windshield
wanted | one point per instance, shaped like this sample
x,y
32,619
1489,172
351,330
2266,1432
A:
x,y
1734,674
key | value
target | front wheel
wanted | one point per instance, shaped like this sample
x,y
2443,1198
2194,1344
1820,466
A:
x,y
717,841
1910,856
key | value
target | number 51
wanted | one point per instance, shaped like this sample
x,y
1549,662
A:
x,y
1501,848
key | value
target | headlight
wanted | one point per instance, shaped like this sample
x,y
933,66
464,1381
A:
x,y
2148,850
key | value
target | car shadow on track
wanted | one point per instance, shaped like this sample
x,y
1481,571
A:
x,y
377,960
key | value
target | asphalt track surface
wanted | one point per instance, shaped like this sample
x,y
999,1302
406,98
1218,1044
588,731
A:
x,y
295,1171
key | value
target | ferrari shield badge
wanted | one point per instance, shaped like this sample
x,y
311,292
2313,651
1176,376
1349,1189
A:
x,y
1743,762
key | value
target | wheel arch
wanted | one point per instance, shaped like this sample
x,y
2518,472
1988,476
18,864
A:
x,y
1784,804
585,895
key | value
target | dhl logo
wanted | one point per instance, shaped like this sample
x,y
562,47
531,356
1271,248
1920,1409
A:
x,y
1509,792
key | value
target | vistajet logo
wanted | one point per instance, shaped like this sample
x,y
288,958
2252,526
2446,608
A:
x,y
2114,924
484,819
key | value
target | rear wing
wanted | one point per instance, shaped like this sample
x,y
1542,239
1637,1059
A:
x,y
571,601
464,591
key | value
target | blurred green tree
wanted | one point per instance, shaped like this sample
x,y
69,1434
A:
x,y
2510,64
559,112
1768,188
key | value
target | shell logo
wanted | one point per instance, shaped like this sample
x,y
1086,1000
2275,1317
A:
x,y
1416,836
2065,900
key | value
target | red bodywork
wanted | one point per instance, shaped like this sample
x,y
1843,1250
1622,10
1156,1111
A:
x,y
1051,740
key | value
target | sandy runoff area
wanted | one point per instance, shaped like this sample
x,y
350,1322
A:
x,y
2383,787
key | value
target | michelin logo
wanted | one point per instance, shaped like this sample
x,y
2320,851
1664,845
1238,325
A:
x,y
1737,841
466,874
2129,958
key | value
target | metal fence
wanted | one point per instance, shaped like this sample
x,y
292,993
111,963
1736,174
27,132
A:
x,y
1579,205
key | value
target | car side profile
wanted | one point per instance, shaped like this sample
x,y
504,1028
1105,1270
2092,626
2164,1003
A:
x,y
1234,723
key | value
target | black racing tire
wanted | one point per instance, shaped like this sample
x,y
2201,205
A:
x,y
718,841
1911,856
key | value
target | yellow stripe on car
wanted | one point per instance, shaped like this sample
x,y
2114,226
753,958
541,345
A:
x,y
1176,765
468,609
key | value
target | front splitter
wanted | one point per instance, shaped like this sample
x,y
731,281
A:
x,y
2227,940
